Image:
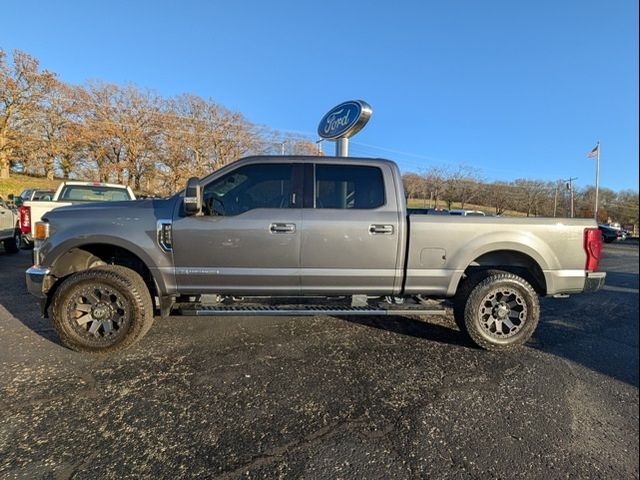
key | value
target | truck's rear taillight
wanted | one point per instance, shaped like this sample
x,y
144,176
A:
x,y
593,248
25,219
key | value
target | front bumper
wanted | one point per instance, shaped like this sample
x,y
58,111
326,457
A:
x,y
594,281
37,281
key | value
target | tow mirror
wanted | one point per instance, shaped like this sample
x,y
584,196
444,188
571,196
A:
x,y
192,197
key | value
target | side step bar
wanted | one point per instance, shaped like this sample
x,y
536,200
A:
x,y
306,310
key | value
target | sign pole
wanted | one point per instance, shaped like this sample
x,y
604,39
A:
x,y
342,147
595,211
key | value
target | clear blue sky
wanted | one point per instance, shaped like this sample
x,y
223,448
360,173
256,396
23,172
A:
x,y
513,88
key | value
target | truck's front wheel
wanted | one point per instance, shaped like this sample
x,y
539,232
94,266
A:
x,y
501,311
104,309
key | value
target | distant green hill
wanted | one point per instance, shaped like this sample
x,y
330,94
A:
x,y
18,182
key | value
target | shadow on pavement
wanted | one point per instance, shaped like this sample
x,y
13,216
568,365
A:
x,y
597,330
15,298
412,327
624,280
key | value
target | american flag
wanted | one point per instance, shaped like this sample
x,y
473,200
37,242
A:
x,y
594,153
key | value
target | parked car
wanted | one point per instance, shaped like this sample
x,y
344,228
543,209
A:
x,y
611,234
319,229
69,193
9,228
467,213
427,211
617,226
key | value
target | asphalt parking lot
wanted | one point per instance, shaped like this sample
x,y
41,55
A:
x,y
326,397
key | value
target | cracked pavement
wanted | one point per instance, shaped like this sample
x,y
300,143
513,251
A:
x,y
326,397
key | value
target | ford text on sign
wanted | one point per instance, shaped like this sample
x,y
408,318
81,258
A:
x,y
344,120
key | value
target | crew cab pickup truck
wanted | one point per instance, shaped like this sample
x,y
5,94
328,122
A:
x,y
300,236
68,193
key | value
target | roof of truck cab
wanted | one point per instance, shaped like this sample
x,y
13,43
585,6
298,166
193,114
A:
x,y
310,159
93,184
301,159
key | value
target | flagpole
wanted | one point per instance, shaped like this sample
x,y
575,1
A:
x,y
595,213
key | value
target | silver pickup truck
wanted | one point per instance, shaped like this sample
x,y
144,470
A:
x,y
300,236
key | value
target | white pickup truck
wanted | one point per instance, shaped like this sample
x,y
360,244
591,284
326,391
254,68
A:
x,y
69,193
9,233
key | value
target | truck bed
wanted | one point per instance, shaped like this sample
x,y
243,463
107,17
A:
x,y
440,248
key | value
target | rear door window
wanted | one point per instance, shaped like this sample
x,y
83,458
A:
x,y
348,187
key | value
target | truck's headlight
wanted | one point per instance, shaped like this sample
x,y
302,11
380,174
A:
x,y
41,231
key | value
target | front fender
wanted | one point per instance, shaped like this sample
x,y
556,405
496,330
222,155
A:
x,y
158,262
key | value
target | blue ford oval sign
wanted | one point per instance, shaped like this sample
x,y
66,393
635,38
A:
x,y
344,120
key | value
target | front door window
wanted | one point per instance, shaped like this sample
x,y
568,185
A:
x,y
248,188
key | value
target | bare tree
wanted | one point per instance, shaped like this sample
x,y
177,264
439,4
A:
x,y
287,144
435,179
585,203
414,185
500,196
626,207
121,131
57,129
463,185
529,194
22,88
233,136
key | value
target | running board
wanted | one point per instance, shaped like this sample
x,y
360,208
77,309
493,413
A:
x,y
306,310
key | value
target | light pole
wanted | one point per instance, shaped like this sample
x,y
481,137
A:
x,y
595,210
570,188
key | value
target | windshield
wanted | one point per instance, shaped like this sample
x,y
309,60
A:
x,y
91,193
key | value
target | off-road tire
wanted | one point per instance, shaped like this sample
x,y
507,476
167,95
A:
x,y
130,291
465,288
12,245
476,296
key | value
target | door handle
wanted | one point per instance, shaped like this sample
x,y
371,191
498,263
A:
x,y
282,228
381,229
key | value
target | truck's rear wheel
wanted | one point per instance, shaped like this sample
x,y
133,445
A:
x,y
12,245
104,309
501,311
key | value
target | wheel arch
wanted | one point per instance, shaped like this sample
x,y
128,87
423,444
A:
x,y
82,257
509,260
